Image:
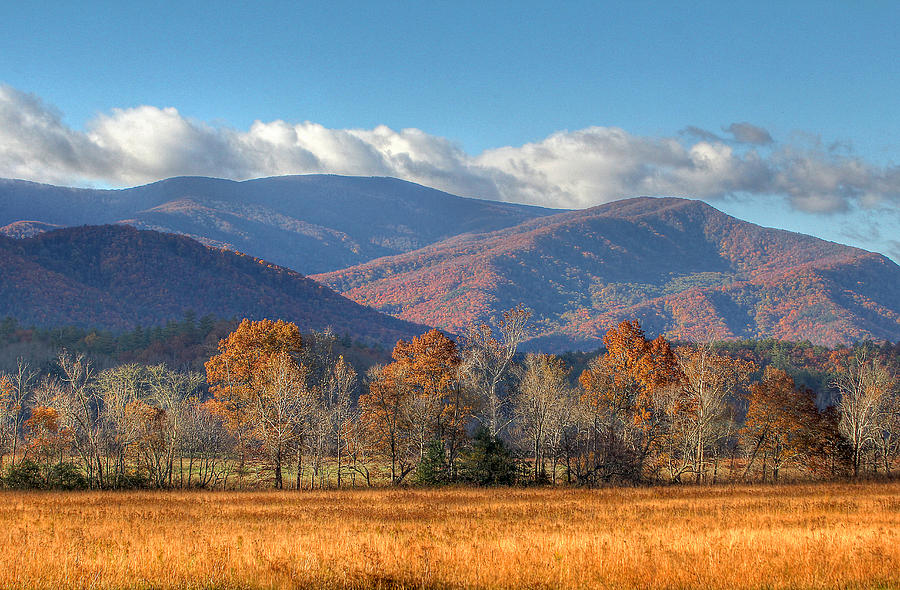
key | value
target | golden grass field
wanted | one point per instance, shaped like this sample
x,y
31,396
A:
x,y
798,536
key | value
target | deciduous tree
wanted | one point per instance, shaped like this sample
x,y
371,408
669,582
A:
x,y
780,424
281,406
708,383
488,360
867,404
78,404
384,418
234,374
539,404
622,393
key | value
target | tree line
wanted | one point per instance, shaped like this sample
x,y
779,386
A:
x,y
279,408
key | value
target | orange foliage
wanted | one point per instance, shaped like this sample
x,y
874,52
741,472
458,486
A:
x,y
244,354
781,420
43,434
414,400
630,372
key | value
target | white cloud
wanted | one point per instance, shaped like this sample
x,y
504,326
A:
x,y
567,169
35,144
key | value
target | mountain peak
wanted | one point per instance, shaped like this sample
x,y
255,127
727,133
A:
x,y
636,206
682,267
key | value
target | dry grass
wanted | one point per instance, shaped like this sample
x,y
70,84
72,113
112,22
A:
x,y
803,536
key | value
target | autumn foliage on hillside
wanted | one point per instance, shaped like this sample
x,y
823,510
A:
x,y
684,269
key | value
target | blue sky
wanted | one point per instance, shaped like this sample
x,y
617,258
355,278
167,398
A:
x,y
472,97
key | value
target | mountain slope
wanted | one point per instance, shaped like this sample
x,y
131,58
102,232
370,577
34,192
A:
x,y
119,277
26,229
682,267
312,223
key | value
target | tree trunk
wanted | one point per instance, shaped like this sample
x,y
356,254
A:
x,y
699,459
339,461
299,467
278,481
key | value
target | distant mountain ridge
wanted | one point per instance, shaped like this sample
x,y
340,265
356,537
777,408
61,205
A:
x,y
118,277
680,266
310,223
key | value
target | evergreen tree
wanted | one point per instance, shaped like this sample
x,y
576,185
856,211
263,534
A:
x,y
488,462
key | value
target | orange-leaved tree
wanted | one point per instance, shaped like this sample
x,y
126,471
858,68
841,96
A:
x,y
44,437
438,407
781,422
415,400
621,390
384,418
248,363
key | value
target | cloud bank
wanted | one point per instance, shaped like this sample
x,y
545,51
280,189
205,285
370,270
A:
x,y
569,169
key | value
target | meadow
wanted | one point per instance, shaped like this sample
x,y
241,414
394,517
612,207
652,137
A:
x,y
790,536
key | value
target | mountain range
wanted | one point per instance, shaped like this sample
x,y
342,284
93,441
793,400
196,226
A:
x,y
680,266
311,224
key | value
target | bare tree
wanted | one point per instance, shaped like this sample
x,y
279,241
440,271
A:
x,y
122,414
8,415
709,382
867,405
887,440
359,455
538,406
79,403
170,392
319,357
339,390
207,444
316,438
22,382
489,360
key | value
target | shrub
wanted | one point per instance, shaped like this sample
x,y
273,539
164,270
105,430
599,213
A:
x,y
24,475
130,481
66,476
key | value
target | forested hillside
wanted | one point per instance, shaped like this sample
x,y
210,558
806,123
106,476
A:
x,y
683,268
118,277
